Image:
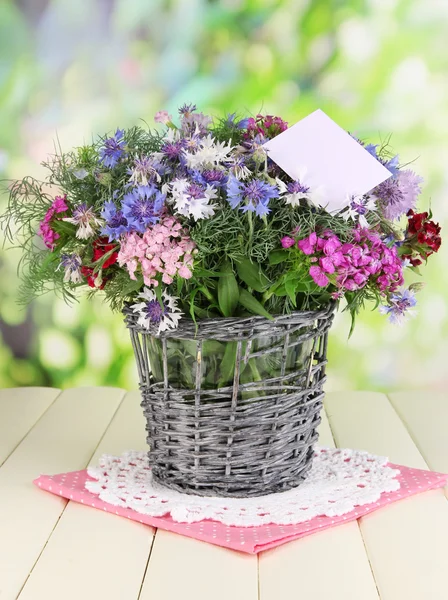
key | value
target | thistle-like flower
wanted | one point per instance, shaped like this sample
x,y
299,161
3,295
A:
x,y
156,315
146,170
85,220
401,305
72,265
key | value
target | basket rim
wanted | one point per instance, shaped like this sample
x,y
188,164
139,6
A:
x,y
203,327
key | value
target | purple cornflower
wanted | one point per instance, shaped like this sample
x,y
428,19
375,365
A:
x,y
154,311
187,109
195,122
254,195
113,149
173,150
215,177
398,194
116,222
295,187
400,306
142,207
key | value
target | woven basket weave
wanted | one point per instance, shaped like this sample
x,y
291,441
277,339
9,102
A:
x,y
247,438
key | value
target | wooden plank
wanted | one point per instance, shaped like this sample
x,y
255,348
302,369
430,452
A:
x,y
314,567
20,409
367,421
407,541
64,439
187,569
99,554
425,415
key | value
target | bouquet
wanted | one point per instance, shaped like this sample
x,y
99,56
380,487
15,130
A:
x,y
194,220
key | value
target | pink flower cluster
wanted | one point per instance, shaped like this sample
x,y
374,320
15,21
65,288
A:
x,y
163,248
45,231
265,125
351,265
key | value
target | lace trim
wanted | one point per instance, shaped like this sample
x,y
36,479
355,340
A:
x,y
339,481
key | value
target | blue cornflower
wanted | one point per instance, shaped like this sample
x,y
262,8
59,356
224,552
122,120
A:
x,y
113,149
392,165
400,306
142,207
241,124
116,222
253,195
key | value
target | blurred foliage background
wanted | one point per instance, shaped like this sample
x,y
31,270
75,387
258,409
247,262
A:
x,y
70,70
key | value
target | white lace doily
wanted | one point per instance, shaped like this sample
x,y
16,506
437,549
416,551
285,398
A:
x,y
339,481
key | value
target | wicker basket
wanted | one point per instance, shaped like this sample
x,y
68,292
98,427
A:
x,y
232,405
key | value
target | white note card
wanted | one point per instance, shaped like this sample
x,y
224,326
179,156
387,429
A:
x,y
331,159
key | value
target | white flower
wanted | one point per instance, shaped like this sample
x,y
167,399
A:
x,y
192,199
84,217
300,189
358,207
210,152
80,173
155,315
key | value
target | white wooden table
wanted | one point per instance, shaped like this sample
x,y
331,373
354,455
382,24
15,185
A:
x,y
54,549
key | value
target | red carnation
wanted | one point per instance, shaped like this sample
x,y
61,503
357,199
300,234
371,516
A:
x,y
88,273
415,221
101,247
425,233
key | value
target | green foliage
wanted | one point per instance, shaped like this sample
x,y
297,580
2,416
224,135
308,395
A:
x,y
227,291
371,67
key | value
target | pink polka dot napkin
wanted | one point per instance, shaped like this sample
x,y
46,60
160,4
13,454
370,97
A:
x,y
245,539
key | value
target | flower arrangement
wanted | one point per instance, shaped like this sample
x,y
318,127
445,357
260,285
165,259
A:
x,y
194,220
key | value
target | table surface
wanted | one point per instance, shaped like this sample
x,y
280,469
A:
x,y
53,549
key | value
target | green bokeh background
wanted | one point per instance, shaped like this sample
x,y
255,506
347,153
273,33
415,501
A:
x,y
72,69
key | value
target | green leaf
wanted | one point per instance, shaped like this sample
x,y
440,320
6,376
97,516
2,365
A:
x,y
189,346
278,256
353,323
212,347
252,304
291,290
63,227
192,305
252,275
200,272
132,286
228,293
227,367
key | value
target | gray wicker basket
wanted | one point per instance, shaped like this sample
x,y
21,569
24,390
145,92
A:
x,y
247,433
